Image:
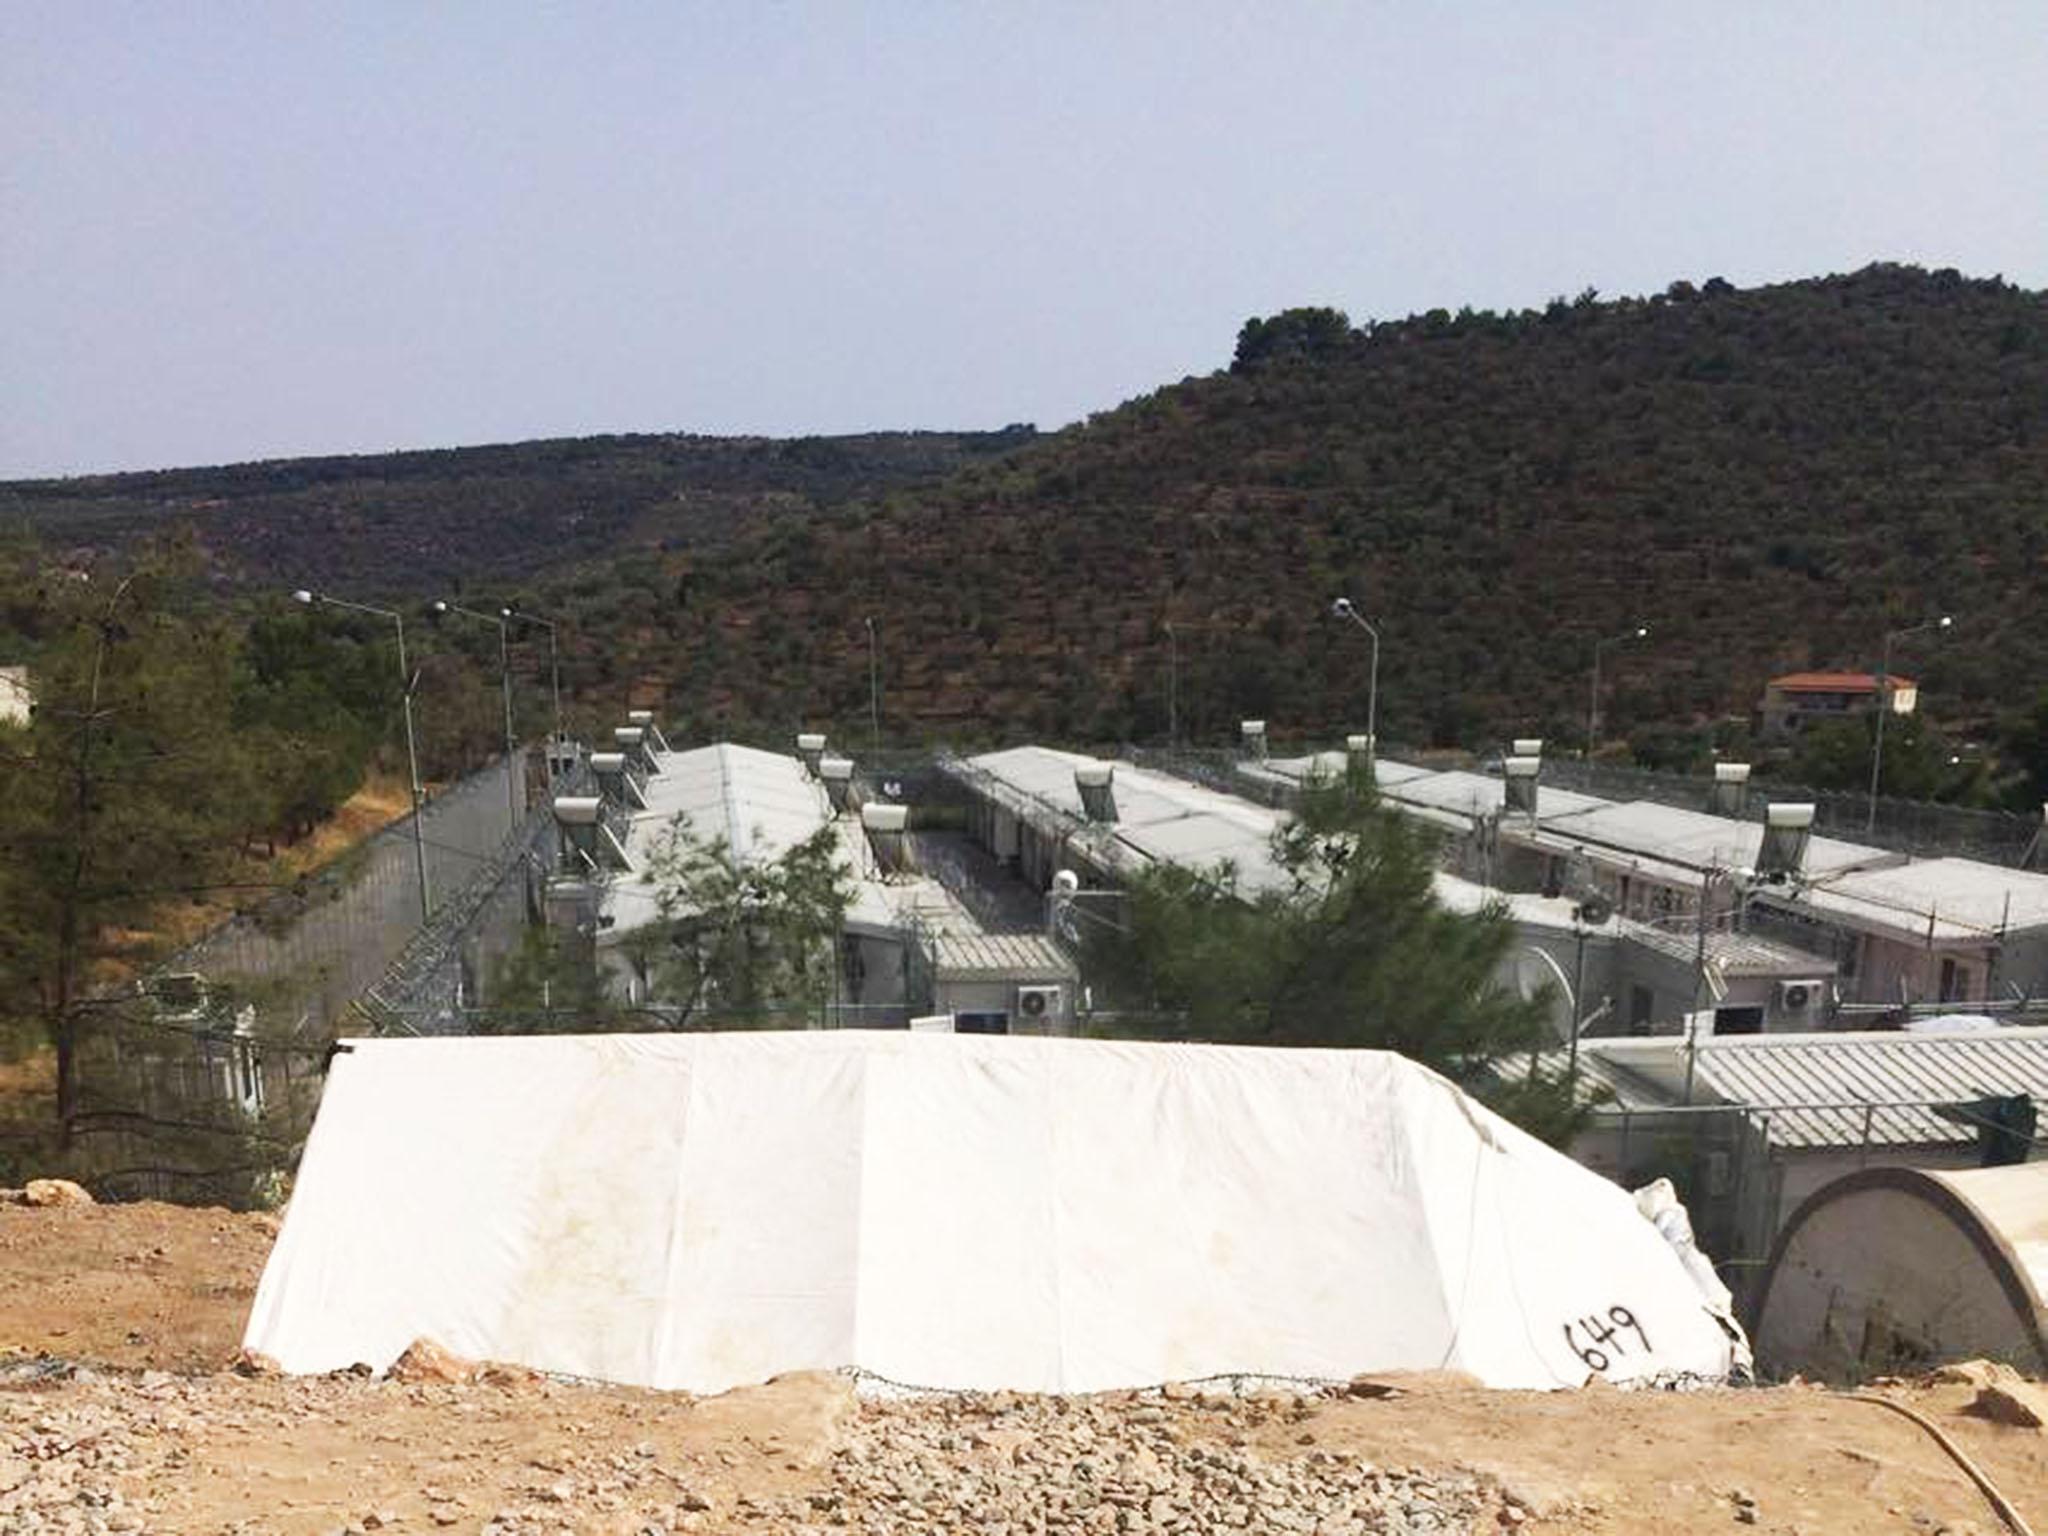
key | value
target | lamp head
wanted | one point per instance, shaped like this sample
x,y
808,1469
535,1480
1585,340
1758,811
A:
x,y
302,596
440,606
504,613
1341,608
1945,621
1642,631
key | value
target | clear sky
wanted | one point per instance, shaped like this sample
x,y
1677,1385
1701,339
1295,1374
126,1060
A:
x,y
236,231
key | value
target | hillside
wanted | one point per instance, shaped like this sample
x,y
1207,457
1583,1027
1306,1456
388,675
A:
x,y
432,521
1769,478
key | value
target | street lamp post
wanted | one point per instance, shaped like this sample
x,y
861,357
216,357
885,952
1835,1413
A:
x,y
412,756
1343,609
1172,685
500,619
1640,632
1884,707
874,692
521,616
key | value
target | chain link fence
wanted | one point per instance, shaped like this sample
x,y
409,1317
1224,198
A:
x,y
308,953
200,1083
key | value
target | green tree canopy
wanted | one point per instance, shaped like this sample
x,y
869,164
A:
x,y
743,940
1315,331
119,790
1355,950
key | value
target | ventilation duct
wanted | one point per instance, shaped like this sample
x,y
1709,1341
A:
x,y
1096,783
1787,830
1254,732
884,825
1730,794
1522,773
837,772
810,746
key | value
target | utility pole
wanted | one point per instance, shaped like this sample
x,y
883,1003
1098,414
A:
x,y
1884,707
501,619
521,616
1344,609
874,693
1172,685
412,756
1640,632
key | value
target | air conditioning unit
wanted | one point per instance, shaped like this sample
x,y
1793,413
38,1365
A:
x,y
1800,996
1038,1002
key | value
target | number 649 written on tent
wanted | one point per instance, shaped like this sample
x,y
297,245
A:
x,y
1605,1339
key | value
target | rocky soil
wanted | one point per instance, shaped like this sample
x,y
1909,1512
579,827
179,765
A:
x,y
96,1438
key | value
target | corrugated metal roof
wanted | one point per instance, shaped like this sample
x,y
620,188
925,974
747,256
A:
x,y
1732,954
1024,956
1819,1090
1597,1079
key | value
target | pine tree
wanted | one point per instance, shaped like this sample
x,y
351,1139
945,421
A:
x,y
117,792
1351,948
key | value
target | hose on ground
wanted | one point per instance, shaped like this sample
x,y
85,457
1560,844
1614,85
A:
x,y
1998,1501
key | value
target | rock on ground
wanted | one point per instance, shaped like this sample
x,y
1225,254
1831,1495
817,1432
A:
x,y
51,1192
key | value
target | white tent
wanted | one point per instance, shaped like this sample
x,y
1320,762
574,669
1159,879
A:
x,y
950,1211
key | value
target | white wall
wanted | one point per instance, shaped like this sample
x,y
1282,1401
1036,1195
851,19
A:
x,y
1879,1280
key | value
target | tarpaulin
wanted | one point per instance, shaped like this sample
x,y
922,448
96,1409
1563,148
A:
x,y
952,1211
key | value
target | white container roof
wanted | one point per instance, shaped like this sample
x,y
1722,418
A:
x,y
1479,794
1957,900
1293,770
762,804
1527,909
1697,840
1159,818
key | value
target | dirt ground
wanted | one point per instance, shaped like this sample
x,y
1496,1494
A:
x,y
138,1287
118,1326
